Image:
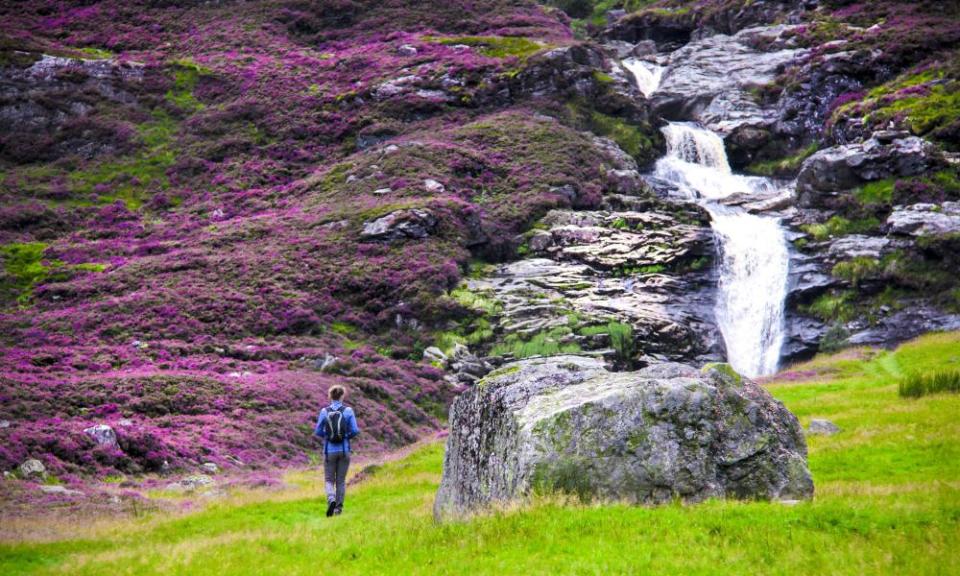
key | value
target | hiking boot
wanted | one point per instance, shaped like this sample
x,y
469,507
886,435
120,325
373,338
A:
x,y
338,511
331,507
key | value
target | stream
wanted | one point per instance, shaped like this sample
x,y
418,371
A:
x,y
754,257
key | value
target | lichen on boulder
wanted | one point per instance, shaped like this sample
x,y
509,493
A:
x,y
566,424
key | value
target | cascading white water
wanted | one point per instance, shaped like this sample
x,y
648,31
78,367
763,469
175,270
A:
x,y
754,255
648,75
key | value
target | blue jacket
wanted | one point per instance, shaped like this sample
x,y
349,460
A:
x,y
321,431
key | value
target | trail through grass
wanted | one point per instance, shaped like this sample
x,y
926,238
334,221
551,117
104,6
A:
x,y
888,502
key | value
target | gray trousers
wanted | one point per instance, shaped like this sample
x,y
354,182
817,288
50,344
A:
x,y
335,467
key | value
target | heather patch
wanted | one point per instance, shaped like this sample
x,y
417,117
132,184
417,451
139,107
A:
x,y
298,188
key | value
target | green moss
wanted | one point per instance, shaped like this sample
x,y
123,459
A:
x,y
725,370
634,140
832,306
24,267
783,166
96,53
127,178
546,343
91,267
840,226
493,46
857,269
186,74
878,192
921,101
567,475
602,78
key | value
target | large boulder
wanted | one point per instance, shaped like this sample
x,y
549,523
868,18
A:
x,y
668,431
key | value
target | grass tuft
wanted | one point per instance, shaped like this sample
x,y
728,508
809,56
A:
x,y
915,385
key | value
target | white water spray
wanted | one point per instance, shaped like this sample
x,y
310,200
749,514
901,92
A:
x,y
648,75
754,255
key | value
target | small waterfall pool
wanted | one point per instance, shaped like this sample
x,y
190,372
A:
x,y
754,257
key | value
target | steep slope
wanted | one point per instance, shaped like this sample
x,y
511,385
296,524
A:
x,y
213,212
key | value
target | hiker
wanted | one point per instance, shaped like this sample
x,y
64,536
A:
x,y
336,424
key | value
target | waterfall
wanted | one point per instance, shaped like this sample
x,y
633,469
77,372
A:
x,y
753,250
648,75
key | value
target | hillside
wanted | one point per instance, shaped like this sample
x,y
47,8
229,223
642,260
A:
x,y
887,503
211,212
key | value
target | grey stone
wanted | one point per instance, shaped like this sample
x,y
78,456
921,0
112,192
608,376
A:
x,y
103,435
210,468
432,186
926,219
413,223
627,182
4,424
540,241
565,423
191,483
823,427
407,50
709,80
32,468
434,354
60,490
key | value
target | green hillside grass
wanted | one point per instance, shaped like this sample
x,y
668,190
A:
x,y
888,502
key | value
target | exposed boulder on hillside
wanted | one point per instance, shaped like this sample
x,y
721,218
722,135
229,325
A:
x,y
401,224
668,431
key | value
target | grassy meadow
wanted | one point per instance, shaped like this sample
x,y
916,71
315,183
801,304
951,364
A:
x,y
887,502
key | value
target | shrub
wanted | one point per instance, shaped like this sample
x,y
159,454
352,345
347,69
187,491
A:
x,y
916,384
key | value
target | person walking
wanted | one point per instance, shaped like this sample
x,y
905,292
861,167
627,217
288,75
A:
x,y
337,424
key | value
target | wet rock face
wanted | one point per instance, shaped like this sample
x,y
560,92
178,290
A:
x,y
709,80
566,424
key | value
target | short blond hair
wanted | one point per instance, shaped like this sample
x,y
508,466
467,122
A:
x,y
337,392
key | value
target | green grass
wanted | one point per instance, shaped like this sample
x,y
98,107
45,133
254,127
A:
x,y
546,343
493,46
23,268
128,177
783,166
879,192
621,338
915,385
840,226
888,502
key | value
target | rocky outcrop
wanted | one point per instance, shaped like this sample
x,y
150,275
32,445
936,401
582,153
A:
x,y
668,431
103,435
926,219
827,175
709,80
48,106
415,223
647,270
